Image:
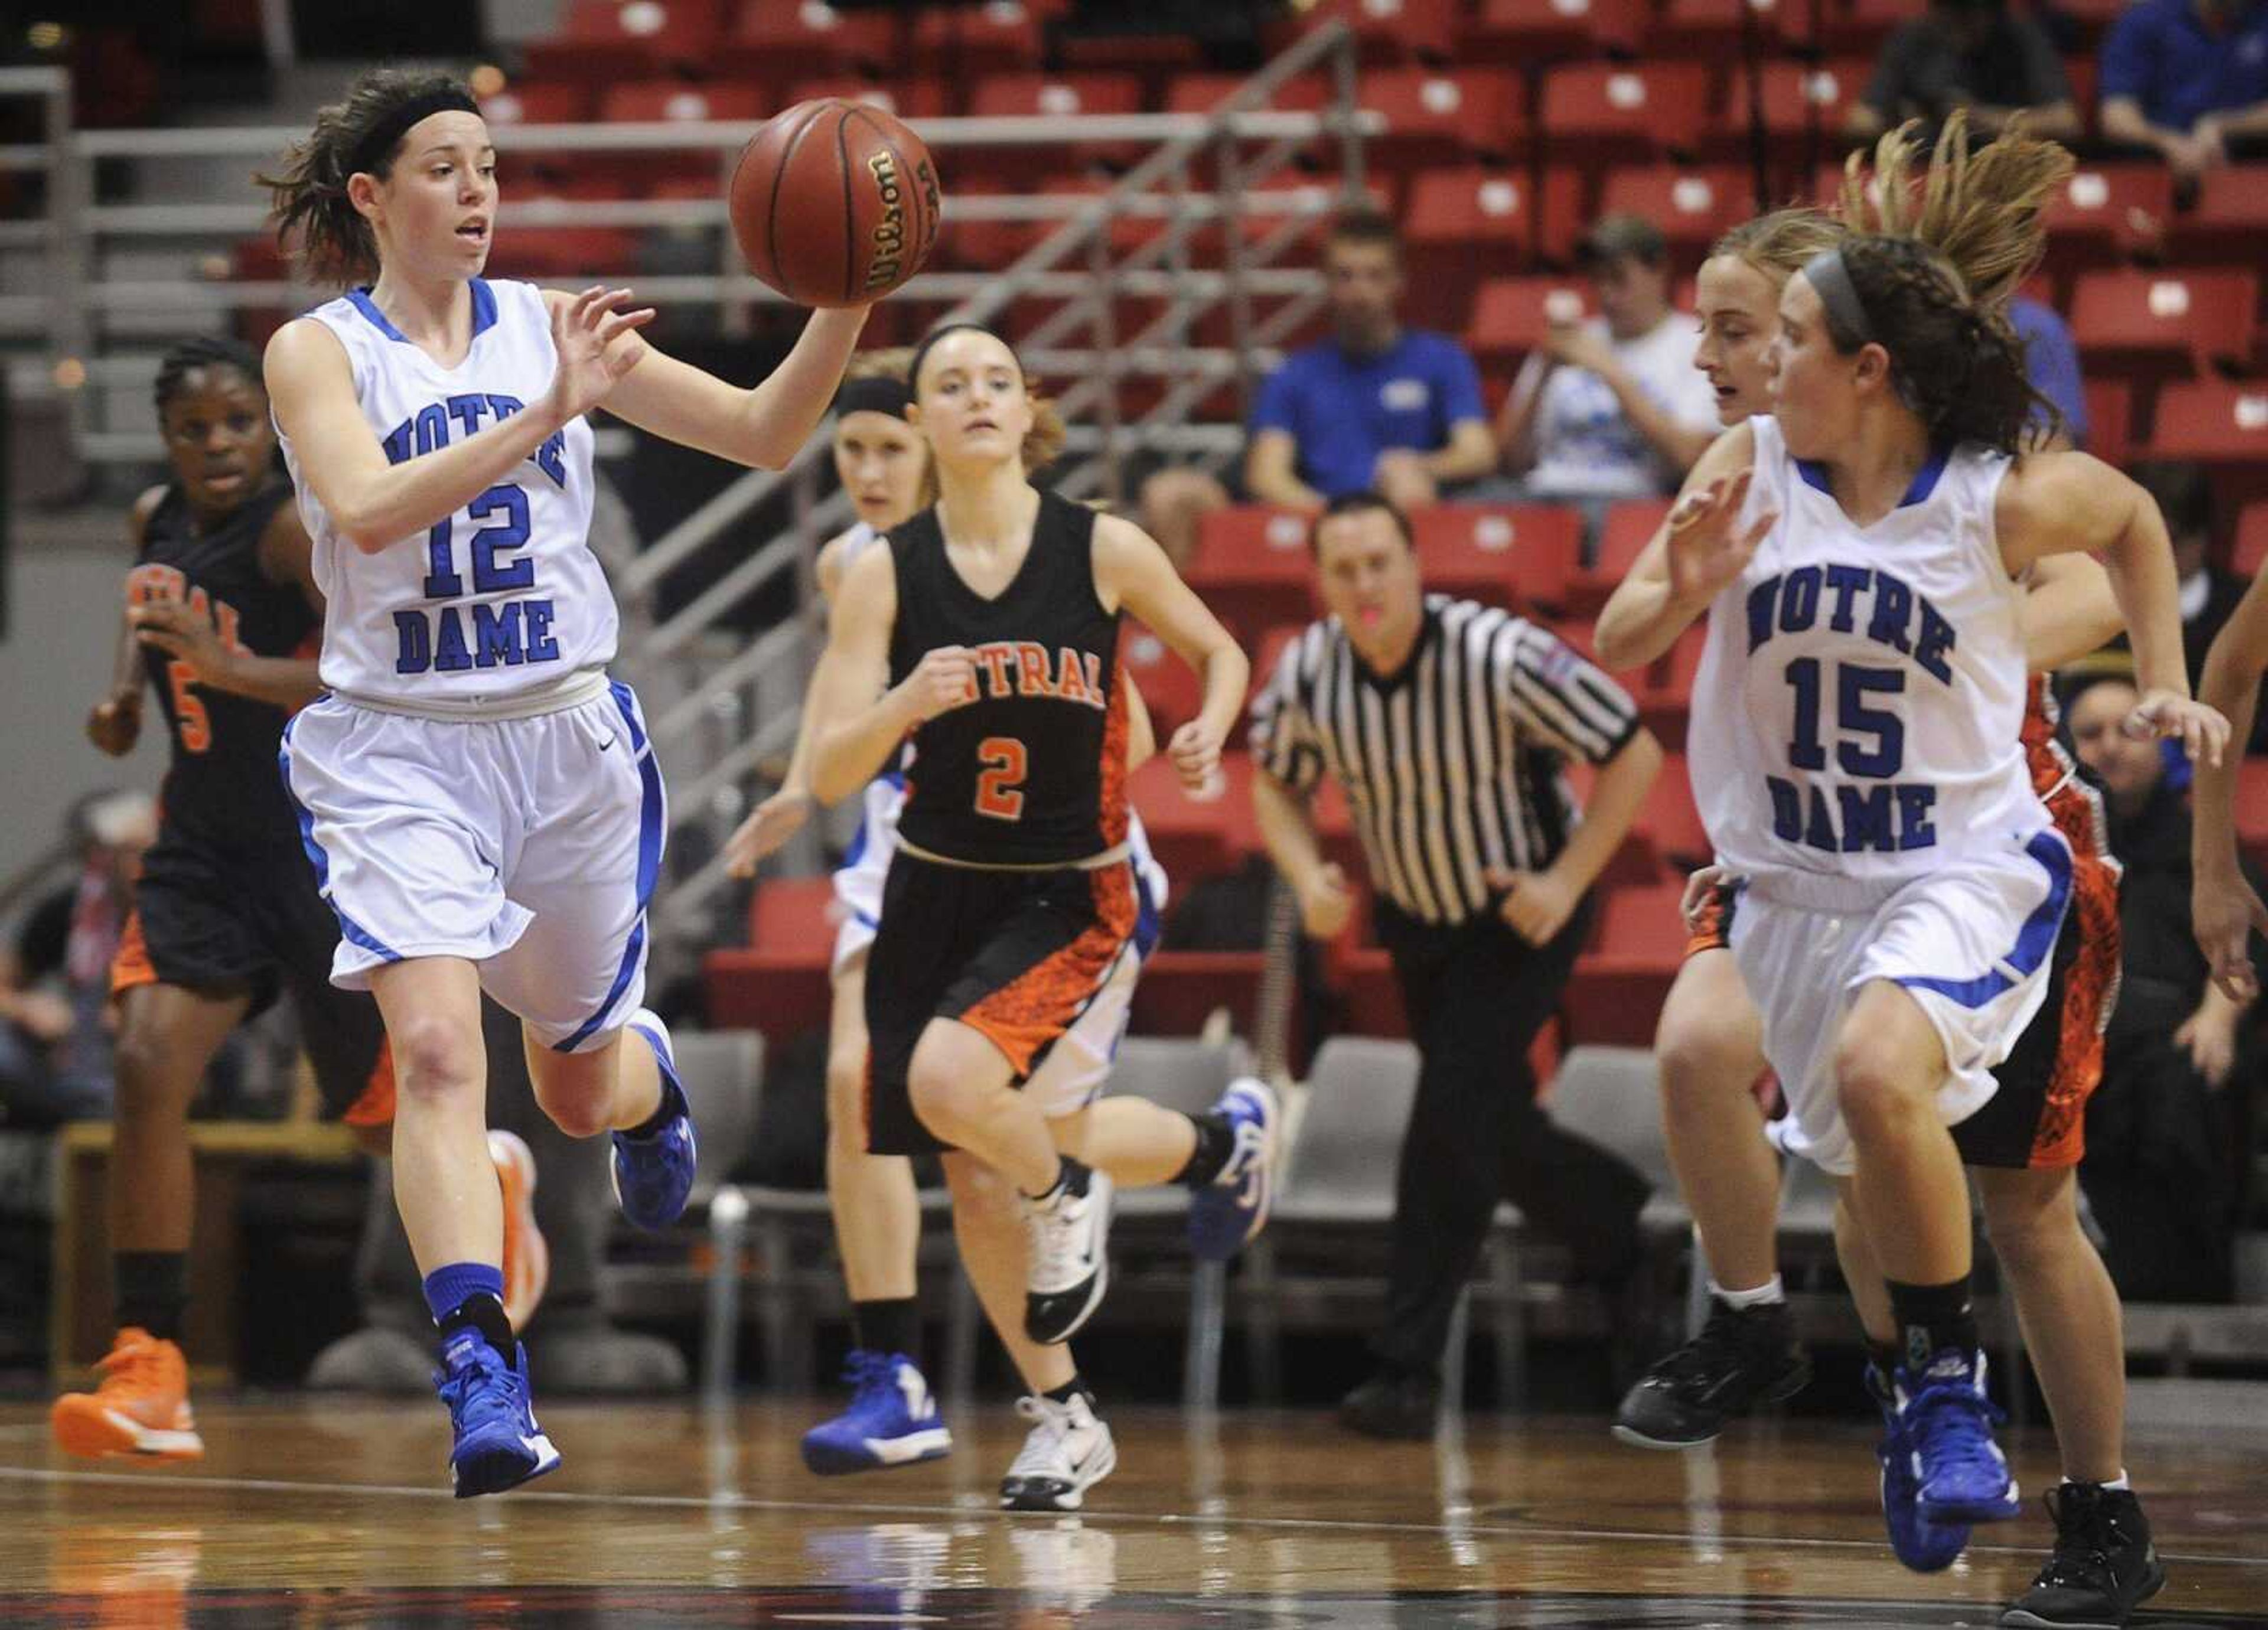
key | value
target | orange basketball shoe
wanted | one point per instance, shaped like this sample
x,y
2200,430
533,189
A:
x,y
527,1254
141,1408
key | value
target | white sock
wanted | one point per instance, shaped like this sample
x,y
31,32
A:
x,y
1769,1291
2119,1482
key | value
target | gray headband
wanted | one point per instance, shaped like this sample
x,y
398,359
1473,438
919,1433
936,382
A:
x,y
1846,313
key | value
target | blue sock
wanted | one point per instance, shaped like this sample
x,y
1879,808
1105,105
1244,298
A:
x,y
450,1287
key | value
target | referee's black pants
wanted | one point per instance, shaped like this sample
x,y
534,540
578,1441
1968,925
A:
x,y
1475,995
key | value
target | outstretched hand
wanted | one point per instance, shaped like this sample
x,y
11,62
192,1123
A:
x,y
1705,553
590,364
2201,730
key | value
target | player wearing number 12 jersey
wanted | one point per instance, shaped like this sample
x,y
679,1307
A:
x,y
480,798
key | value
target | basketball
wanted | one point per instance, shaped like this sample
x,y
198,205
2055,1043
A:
x,y
835,202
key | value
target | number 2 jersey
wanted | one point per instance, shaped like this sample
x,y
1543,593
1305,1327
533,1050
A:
x,y
501,608
1031,768
222,788
1860,707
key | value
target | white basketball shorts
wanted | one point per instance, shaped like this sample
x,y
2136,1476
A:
x,y
1972,943
527,847
1073,1070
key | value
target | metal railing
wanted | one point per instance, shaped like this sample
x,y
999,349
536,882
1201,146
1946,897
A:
x,y
720,699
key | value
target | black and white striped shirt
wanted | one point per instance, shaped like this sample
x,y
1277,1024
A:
x,y
1453,765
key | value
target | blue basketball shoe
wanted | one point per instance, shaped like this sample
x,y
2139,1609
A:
x,y
1227,1213
1948,1421
653,1174
892,1421
499,1444
1925,1546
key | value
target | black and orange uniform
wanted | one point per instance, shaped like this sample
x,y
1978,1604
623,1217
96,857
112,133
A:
x,y
2038,1116
1010,899
227,900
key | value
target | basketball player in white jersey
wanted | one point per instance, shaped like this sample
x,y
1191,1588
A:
x,y
2024,1151
1855,751
481,804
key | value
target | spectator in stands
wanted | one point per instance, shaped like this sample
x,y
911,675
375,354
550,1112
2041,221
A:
x,y
2163,1164
55,977
1376,405
2186,77
2209,595
2051,364
1612,407
1971,54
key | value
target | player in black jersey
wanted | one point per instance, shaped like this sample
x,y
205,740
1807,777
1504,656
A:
x,y
223,617
988,632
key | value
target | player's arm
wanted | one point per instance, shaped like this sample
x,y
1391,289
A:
x,y
2064,503
2068,611
764,426
781,817
1132,574
376,505
856,723
286,556
2223,906
1692,554
114,723
1141,730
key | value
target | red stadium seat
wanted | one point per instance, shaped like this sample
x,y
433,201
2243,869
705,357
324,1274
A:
x,y
907,99
1394,30
1624,534
1665,691
1510,554
566,252
1600,113
778,982
1692,206
536,101
1252,567
1523,31
1615,995
1058,96
1861,27
1201,93
602,40
1171,688
1671,819
2105,212
1513,315
2213,421
1458,223
676,102
2252,810
2251,552
1717,30
2228,226
1196,837
968,41
1798,98
1440,116
2110,420
785,39
2159,325
1366,983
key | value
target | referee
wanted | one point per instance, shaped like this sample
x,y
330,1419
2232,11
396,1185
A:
x,y
1447,722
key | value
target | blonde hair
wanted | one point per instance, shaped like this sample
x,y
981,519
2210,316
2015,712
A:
x,y
1979,211
889,363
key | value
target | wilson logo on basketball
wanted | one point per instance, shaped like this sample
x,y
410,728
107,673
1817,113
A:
x,y
889,236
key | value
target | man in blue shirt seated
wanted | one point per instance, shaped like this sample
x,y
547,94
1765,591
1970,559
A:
x,y
2186,77
1376,407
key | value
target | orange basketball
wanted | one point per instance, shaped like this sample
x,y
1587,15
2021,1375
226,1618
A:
x,y
835,202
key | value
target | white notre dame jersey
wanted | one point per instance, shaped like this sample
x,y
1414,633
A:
x,y
503,603
1858,709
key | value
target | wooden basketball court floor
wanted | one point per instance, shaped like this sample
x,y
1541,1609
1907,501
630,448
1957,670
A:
x,y
313,1512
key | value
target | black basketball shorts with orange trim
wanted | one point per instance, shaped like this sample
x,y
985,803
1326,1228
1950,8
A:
x,y
1016,956
2037,1118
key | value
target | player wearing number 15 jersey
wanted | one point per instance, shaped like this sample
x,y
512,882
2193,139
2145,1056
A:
x,y
480,799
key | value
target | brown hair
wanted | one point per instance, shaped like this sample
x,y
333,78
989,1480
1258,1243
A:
x,y
1979,210
1778,244
1364,224
335,244
1043,443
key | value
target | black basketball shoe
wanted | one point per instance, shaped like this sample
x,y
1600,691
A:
x,y
1395,1404
2104,1566
1743,1357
